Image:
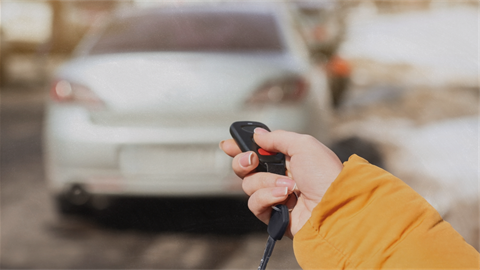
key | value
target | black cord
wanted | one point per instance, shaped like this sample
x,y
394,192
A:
x,y
267,253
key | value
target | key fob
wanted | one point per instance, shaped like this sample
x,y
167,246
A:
x,y
279,221
242,133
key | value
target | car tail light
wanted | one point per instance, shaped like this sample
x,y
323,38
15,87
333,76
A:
x,y
284,91
65,91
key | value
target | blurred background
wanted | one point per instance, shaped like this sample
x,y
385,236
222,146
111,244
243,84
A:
x,y
403,92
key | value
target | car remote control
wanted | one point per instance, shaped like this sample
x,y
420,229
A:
x,y
242,133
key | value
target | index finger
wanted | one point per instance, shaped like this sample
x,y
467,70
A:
x,y
230,147
285,142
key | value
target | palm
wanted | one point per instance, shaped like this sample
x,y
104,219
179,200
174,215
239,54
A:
x,y
313,182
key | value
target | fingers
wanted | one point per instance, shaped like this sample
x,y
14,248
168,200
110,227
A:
x,y
257,181
282,141
266,190
260,203
230,147
244,163
289,143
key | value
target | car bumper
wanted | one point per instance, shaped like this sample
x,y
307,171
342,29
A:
x,y
146,161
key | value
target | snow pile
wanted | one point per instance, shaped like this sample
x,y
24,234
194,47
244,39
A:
x,y
446,152
442,42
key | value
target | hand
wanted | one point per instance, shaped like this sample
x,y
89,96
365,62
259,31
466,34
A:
x,y
311,168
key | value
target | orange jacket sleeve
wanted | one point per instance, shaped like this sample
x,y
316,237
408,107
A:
x,y
370,219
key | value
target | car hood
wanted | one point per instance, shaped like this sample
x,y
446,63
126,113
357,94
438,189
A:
x,y
178,83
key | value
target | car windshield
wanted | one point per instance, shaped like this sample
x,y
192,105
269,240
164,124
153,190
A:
x,y
191,31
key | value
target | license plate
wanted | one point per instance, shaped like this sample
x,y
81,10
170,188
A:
x,y
168,159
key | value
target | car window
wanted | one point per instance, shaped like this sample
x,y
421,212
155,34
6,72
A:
x,y
191,31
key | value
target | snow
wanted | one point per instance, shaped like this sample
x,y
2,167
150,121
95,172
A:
x,y
446,152
418,62
441,41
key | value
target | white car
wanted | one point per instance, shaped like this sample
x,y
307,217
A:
x,y
141,108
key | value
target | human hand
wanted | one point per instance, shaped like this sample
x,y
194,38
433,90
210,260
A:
x,y
311,168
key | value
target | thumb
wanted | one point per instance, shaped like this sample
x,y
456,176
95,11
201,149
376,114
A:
x,y
282,141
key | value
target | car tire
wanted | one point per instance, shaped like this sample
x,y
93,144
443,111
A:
x,y
66,208
361,147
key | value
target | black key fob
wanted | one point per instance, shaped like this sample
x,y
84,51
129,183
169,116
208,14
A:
x,y
279,221
242,133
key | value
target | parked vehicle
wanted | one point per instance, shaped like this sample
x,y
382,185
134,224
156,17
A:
x,y
141,108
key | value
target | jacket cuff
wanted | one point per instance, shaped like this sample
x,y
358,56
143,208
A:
x,y
340,231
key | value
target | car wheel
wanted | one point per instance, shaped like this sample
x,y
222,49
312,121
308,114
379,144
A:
x,y
65,207
362,147
75,200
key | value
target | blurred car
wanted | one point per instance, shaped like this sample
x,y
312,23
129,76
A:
x,y
142,106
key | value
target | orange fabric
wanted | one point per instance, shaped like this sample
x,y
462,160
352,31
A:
x,y
370,219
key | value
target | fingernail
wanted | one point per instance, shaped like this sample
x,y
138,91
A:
x,y
280,191
246,159
221,145
286,182
259,130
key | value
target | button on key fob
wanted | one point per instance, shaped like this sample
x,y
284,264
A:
x,y
242,132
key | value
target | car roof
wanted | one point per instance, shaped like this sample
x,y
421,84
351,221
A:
x,y
269,8
278,10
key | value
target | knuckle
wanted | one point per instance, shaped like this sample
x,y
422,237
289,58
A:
x,y
264,180
253,205
254,182
306,140
246,186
